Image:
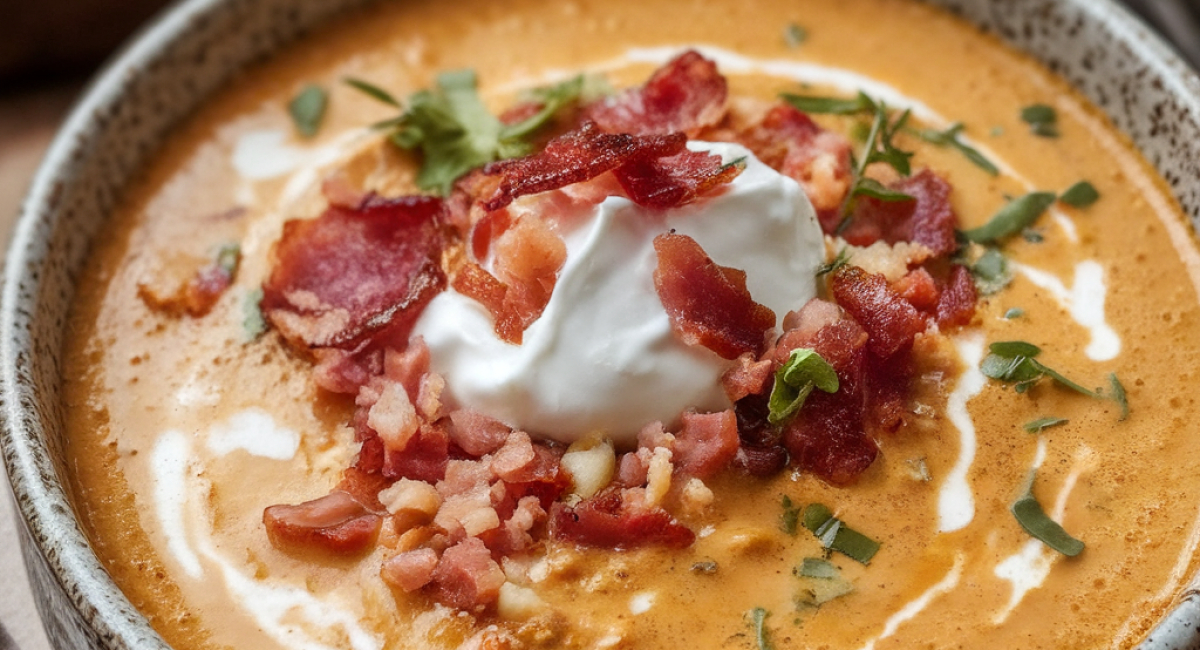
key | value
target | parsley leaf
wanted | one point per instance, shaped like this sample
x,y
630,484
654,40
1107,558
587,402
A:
x,y
307,109
1080,195
1014,312
795,380
1034,520
949,138
1013,362
1014,217
1042,120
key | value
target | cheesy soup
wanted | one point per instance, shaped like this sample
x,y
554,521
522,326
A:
x,y
642,325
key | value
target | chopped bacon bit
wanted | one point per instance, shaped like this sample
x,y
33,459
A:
x,y
408,367
609,520
511,462
956,306
474,282
487,230
687,94
748,376
423,458
543,478
888,383
919,289
790,142
195,298
708,305
527,259
927,220
477,434
363,487
339,371
410,570
351,276
467,577
706,444
335,523
675,181
889,319
572,158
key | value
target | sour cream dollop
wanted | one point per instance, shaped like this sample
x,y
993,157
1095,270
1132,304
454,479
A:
x,y
602,357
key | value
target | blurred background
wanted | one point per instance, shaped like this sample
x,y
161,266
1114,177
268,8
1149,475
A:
x,y
48,50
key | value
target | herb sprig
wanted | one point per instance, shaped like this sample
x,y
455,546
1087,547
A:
x,y
1029,513
950,138
1014,362
1015,216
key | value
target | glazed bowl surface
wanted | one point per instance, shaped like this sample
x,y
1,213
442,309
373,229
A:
x,y
198,46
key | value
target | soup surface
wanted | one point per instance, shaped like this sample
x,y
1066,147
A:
x,y
183,429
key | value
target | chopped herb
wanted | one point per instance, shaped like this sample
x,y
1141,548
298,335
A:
x,y
830,105
1041,424
949,138
1014,312
253,323
837,536
840,260
794,35
815,567
758,618
705,567
876,190
308,109
456,133
1042,120
878,148
1015,216
1080,195
229,257
1032,236
918,469
1034,520
1013,362
739,163
996,131
1118,394
795,380
991,272
790,519
373,91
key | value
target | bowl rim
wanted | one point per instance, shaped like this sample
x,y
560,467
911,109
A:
x,y
46,510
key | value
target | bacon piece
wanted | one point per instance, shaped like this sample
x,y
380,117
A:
x,y
527,259
363,487
410,570
791,143
467,577
572,158
196,297
335,523
827,436
889,319
708,305
424,458
706,444
928,219
956,305
687,94
748,376
609,520
761,452
339,371
475,433
542,478
919,289
351,276
674,181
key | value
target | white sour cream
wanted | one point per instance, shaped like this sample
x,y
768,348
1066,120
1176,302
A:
x,y
602,356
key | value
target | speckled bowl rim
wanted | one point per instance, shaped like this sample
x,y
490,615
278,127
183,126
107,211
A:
x,y
43,505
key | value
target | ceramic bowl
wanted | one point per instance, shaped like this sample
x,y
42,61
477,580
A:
x,y
192,50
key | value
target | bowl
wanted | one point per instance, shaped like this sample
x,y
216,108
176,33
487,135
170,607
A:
x,y
193,49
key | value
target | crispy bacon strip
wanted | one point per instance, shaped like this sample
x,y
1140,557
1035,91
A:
x,y
709,305
608,520
928,219
687,94
335,523
356,274
956,304
890,320
574,157
674,181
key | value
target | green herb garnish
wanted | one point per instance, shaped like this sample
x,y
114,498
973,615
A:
x,y
373,91
1015,216
835,535
1041,424
456,133
758,619
841,259
815,567
1080,195
790,519
308,109
794,35
1032,236
1013,362
991,272
1042,120
1118,394
795,380
949,138
229,257
1014,312
823,582
861,103
1034,520
253,323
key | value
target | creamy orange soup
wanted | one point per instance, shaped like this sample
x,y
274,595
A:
x,y
183,429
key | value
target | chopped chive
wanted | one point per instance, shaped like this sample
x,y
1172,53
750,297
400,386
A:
x,y
1033,519
1041,424
1014,217
1014,312
837,536
1080,195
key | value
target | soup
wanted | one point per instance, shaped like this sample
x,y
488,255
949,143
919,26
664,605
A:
x,y
190,425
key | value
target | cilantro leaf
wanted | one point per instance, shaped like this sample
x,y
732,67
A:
x,y
794,35
795,380
789,521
